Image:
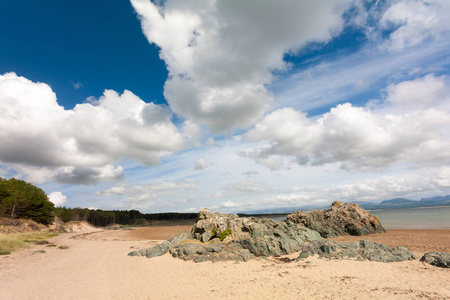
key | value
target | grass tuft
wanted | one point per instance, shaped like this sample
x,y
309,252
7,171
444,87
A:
x,y
41,242
63,247
224,234
18,241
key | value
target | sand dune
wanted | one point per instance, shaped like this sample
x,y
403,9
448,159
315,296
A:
x,y
96,266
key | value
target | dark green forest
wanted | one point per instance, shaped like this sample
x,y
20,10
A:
x,y
19,199
123,217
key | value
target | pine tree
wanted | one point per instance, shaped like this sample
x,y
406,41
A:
x,y
19,199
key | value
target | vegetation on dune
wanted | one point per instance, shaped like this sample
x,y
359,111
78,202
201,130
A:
x,y
17,241
19,199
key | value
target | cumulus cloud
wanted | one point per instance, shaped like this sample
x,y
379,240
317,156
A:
x,y
221,54
359,138
200,164
426,92
414,22
192,133
79,145
57,198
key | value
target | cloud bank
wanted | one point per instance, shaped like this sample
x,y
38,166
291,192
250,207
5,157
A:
x,y
42,141
221,54
412,127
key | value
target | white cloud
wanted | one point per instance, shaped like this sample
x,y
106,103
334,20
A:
x,y
44,141
57,198
192,132
221,54
429,91
359,138
415,22
114,191
200,164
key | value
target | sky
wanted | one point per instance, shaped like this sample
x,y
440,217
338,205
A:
x,y
237,106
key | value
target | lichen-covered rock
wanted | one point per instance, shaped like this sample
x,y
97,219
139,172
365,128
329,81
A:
x,y
340,219
437,259
220,237
364,250
161,248
210,225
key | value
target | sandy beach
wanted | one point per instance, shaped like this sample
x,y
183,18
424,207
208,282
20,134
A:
x,y
96,266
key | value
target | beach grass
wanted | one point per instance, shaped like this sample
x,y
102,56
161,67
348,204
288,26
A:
x,y
16,241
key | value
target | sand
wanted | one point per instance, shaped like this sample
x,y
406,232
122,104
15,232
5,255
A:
x,y
96,266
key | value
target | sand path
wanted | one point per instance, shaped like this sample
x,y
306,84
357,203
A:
x,y
96,266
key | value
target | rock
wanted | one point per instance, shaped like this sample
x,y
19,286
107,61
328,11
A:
x,y
364,250
437,259
340,219
161,248
221,237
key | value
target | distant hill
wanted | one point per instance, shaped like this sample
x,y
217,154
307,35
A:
x,y
386,204
397,201
407,203
436,199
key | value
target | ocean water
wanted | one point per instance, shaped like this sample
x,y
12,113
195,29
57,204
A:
x,y
415,218
412,218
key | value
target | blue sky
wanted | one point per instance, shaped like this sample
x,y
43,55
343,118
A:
x,y
235,106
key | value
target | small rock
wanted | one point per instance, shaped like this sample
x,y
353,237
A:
x,y
437,259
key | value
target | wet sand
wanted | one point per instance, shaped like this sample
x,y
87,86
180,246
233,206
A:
x,y
96,266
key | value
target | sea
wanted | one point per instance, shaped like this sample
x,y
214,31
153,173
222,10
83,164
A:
x,y
415,218
411,218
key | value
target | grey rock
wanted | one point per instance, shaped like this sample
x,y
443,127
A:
x,y
364,250
222,237
246,239
340,219
161,248
437,259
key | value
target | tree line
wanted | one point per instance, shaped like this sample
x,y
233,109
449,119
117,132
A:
x,y
19,199
100,217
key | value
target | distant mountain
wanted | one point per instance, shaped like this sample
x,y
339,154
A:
x,y
407,203
386,204
436,199
397,201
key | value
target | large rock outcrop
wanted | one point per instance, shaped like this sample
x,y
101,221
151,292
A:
x,y
222,237
340,219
